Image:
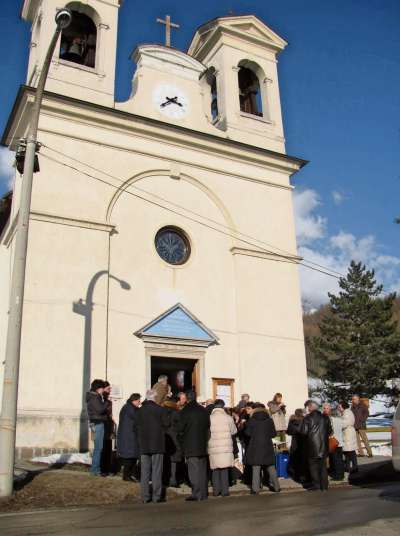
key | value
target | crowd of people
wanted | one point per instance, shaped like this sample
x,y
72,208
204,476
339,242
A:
x,y
326,443
166,440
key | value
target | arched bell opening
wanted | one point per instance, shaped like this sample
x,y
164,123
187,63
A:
x,y
79,39
211,78
250,96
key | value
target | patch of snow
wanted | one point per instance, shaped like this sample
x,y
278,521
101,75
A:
x,y
384,449
77,457
382,436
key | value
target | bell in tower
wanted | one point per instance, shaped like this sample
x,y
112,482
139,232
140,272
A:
x,y
83,65
241,52
79,41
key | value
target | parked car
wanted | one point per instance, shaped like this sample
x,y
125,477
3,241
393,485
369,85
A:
x,y
396,439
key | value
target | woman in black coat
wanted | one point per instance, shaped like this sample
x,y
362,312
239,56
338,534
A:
x,y
260,451
107,463
297,468
127,442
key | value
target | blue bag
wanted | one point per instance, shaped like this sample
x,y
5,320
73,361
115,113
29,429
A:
x,y
282,462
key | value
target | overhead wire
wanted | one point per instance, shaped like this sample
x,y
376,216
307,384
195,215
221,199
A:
x,y
323,269
127,191
320,269
158,205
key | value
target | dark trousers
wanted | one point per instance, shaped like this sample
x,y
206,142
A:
x,y
106,457
319,473
256,483
220,482
197,469
336,464
350,458
173,479
151,466
129,468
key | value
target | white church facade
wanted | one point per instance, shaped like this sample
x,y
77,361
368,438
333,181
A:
x,y
161,233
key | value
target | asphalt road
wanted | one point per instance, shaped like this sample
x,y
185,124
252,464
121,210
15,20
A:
x,y
345,511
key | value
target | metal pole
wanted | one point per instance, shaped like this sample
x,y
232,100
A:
x,y
8,419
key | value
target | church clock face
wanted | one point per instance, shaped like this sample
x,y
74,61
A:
x,y
171,101
172,245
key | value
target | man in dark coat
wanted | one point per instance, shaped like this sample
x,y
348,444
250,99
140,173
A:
x,y
97,415
260,430
316,428
193,435
298,465
173,452
127,442
151,424
361,414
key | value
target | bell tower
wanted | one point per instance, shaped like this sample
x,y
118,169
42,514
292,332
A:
x,y
241,55
83,65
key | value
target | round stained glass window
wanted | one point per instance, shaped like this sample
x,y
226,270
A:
x,y
172,245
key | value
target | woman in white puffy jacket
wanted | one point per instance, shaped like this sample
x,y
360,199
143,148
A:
x,y
220,448
349,438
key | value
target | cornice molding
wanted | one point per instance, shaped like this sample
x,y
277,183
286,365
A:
x,y
214,143
150,340
267,255
72,222
50,412
160,53
11,229
212,30
170,159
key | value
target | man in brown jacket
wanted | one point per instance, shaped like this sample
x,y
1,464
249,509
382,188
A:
x,y
361,414
162,389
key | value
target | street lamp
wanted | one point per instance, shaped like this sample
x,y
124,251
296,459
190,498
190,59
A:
x,y
63,18
8,419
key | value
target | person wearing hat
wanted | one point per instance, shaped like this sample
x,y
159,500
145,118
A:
x,y
97,414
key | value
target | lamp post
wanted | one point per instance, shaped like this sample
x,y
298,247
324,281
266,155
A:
x,y
8,419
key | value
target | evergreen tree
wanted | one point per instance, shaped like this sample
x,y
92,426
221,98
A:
x,y
359,343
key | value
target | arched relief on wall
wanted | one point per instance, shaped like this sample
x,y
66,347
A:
x,y
229,228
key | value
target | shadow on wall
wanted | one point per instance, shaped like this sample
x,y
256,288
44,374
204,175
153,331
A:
x,y
85,309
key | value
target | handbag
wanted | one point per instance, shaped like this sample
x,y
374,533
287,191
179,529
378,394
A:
x,y
333,444
238,465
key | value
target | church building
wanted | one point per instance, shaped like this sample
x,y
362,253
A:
x,y
161,235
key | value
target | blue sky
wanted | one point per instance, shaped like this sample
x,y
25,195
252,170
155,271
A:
x,y
339,81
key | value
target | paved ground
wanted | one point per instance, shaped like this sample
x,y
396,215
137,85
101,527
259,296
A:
x,y
382,465
352,511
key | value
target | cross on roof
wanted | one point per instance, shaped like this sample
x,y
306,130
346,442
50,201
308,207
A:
x,y
168,26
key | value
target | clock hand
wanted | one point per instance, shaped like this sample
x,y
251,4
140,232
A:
x,y
164,104
171,100
175,101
